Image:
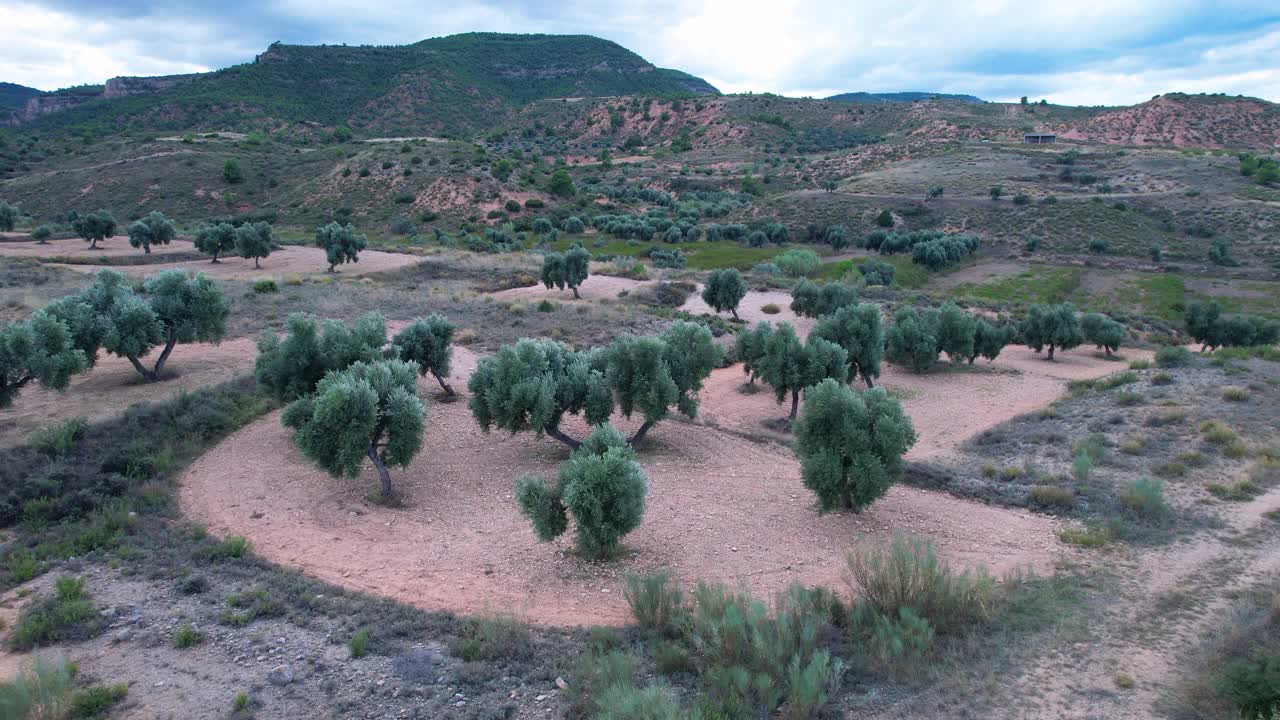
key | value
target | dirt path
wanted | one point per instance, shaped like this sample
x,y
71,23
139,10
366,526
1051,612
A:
x,y
1167,599
721,507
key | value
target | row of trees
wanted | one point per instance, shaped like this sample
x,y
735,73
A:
x,y
250,240
65,337
532,384
1207,326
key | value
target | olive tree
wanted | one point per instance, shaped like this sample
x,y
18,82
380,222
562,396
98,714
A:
x,y
87,314
341,243
426,342
723,290
850,444
254,241
955,332
789,366
651,375
292,366
601,485
94,227
367,411
989,340
858,330
39,349
912,340
153,229
174,308
573,269
809,299
531,385
1051,326
8,217
749,347
216,239
1106,334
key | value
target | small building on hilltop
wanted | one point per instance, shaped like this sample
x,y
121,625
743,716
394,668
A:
x,y
1039,138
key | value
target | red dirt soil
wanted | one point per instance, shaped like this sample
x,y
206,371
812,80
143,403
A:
x,y
721,507
286,260
113,385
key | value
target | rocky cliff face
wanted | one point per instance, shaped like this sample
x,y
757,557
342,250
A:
x,y
43,105
119,87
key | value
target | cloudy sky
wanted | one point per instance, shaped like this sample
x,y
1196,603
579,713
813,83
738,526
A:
x,y
1088,52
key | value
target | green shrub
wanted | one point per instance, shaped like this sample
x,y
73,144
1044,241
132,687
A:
x,y
625,702
798,262
359,644
233,546
1173,356
1081,466
70,615
1253,685
1090,537
1235,394
671,658
493,638
1052,496
22,566
241,701
61,438
1239,491
1140,364
41,691
894,638
186,636
770,309
909,574
1144,499
265,286
654,604
1170,470
1216,432
1162,378
95,701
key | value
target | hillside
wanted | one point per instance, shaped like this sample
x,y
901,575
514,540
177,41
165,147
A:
x,y
452,84
1178,120
866,97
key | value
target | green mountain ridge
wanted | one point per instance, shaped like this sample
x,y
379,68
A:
x,y
459,83
14,96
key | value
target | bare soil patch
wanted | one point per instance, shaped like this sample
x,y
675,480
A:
x,y
948,405
721,507
751,309
285,261
112,247
113,385
595,287
983,272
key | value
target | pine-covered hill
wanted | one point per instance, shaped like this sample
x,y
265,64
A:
x,y
459,83
14,96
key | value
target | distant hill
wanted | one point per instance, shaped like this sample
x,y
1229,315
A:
x,y
1181,120
457,83
14,97
864,97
